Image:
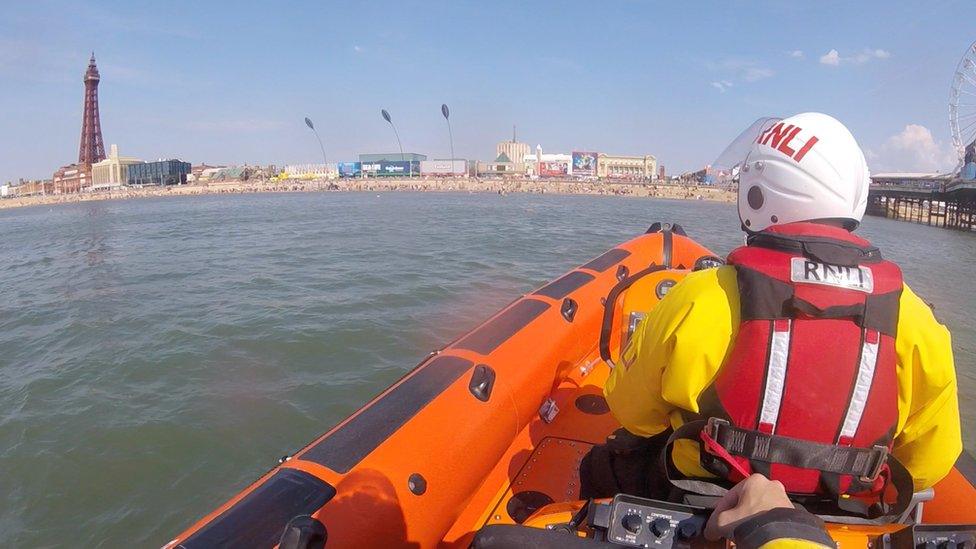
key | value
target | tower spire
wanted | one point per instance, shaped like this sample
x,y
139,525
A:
x,y
91,149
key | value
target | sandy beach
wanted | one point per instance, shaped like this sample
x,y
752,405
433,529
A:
x,y
472,185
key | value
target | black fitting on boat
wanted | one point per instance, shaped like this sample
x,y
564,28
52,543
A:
x,y
417,484
707,262
622,272
658,227
569,309
663,287
303,532
482,382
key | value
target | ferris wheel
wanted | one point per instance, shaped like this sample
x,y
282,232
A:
x,y
962,103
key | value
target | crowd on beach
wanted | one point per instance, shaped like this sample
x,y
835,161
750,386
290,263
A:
x,y
468,185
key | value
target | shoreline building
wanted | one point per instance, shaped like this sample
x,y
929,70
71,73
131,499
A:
x,y
113,172
512,152
386,165
161,172
633,168
392,157
311,171
71,178
550,164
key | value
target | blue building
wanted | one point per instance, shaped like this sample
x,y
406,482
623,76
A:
x,y
162,172
392,157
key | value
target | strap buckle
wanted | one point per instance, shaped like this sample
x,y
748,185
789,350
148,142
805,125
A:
x,y
713,425
882,458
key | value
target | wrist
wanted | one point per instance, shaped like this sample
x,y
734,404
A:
x,y
781,523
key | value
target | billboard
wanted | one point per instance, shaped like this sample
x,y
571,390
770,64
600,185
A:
x,y
350,169
386,168
556,168
584,164
443,167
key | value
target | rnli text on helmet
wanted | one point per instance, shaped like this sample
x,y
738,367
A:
x,y
781,135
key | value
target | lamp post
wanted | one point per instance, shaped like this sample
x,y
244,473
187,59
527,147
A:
x,y
386,116
447,116
308,122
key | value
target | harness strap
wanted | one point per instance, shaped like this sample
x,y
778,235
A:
x,y
863,463
691,430
711,438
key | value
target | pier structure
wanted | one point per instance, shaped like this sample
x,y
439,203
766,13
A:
x,y
939,200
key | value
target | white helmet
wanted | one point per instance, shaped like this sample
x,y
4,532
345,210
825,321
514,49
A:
x,y
802,168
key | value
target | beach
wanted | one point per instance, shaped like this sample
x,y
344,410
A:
x,y
470,185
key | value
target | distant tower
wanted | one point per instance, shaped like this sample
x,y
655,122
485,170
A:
x,y
92,149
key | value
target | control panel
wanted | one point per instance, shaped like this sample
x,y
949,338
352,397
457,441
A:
x,y
932,536
639,522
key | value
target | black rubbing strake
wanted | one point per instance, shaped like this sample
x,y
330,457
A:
x,y
668,248
348,445
496,331
966,465
562,287
607,260
259,519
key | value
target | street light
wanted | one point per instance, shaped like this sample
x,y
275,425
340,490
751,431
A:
x,y
447,116
386,116
308,122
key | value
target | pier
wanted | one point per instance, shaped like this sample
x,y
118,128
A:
x,y
936,200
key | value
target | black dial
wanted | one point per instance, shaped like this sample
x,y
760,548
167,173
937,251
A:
x,y
687,530
660,527
632,523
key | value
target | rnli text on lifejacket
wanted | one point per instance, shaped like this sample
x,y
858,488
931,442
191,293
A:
x,y
841,276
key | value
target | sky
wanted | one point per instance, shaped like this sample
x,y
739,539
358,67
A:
x,y
229,82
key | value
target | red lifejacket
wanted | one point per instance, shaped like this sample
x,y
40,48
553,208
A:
x,y
808,395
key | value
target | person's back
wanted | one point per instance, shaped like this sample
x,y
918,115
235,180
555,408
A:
x,y
807,354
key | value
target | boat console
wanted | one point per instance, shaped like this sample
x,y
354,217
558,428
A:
x,y
637,522
624,521
630,521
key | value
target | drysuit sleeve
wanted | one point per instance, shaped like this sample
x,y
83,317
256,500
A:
x,y
928,438
783,528
675,351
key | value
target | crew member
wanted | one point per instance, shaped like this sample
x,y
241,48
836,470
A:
x,y
807,355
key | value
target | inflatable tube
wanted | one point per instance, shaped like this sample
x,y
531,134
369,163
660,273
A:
x,y
488,430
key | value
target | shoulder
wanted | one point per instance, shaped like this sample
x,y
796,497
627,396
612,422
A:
x,y
706,295
914,311
708,284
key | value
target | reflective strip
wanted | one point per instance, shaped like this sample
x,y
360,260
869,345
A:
x,y
779,352
862,385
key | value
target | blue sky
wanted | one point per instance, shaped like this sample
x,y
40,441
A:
x,y
229,82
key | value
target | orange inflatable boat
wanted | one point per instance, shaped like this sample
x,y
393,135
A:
x,y
486,435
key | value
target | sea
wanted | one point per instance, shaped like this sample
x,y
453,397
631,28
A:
x,y
158,355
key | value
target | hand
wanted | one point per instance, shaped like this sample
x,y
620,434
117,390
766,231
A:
x,y
752,496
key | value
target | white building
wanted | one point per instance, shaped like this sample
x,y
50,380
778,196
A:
x,y
310,171
634,168
113,172
514,152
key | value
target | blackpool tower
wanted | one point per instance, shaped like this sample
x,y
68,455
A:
x,y
92,149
